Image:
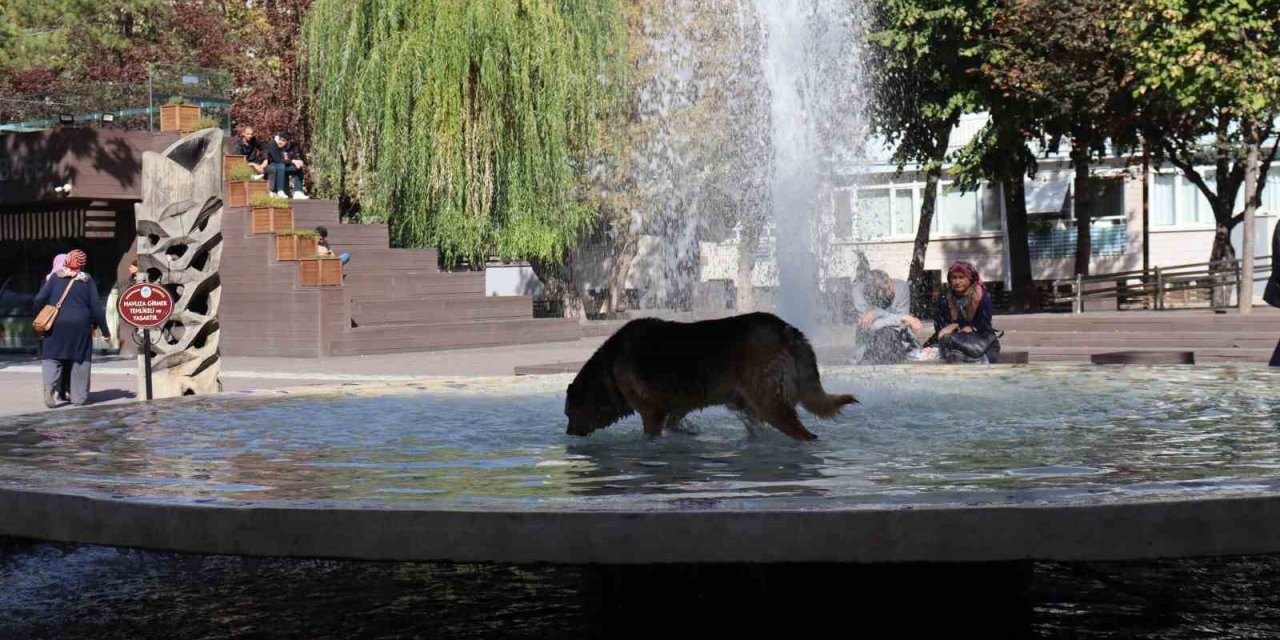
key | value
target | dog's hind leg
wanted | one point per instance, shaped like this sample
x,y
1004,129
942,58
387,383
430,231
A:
x,y
675,422
785,419
750,420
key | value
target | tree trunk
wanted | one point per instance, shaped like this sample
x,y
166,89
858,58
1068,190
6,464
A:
x,y
1222,205
920,288
1083,205
1015,211
558,284
1253,152
626,244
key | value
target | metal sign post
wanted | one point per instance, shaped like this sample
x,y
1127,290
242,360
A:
x,y
146,358
147,306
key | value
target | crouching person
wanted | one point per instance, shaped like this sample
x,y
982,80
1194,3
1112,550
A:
x,y
963,318
886,332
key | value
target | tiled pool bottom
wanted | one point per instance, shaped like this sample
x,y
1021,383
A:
x,y
922,436
101,593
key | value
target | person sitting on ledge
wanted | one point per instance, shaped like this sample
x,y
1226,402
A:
x,y
1272,293
284,159
250,147
323,248
962,318
886,331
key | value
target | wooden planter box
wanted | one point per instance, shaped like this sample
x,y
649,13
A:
x,y
240,193
183,118
229,162
320,272
271,219
291,247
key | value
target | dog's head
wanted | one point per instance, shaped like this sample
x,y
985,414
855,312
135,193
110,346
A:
x,y
580,410
593,401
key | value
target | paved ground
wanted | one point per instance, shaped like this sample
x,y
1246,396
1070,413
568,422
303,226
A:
x,y
1047,337
115,378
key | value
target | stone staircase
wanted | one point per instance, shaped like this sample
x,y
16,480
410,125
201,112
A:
x,y
391,300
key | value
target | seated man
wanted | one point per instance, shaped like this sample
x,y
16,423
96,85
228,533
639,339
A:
x,y
886,331
284,159
251,148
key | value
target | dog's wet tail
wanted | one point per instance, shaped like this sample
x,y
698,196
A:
x,y
813,397
826,405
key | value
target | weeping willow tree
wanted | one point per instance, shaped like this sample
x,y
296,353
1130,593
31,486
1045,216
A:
x,y
472,127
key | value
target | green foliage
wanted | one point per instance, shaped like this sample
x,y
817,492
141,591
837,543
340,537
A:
x,y
176,100
1196,53
306,233
926,54
1208,70
1063,63
269,201
209,122
240,173
468,123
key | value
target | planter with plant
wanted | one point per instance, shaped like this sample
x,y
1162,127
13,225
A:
x,y
208,122
320,271
271,214
295,244
229,163
242,188
179,115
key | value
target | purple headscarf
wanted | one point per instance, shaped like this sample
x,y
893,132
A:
x,y
59,262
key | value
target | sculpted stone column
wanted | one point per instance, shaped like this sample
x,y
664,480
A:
x,y
179,223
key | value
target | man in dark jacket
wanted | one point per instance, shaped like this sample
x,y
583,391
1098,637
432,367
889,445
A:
x,y
1272,294
284,159
250,147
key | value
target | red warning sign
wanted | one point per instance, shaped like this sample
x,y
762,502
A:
x,y
145,305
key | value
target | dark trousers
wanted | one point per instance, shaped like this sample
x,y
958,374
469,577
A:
x,y
1275,356
886,345
279,175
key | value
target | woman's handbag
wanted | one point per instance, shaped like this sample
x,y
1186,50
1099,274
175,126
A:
x,y
967,347
44,320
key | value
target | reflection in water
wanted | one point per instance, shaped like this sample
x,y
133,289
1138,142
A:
x,y
922,435
87,592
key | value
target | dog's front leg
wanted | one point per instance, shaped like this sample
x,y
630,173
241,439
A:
x,y
653,422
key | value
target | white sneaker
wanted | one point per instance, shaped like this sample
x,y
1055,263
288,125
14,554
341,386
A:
x,y
298,195
278,194
258,176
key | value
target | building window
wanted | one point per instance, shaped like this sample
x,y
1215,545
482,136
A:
x,y
1271,195
1164,200
873,217
992,204
884,211
1177,201
904,211
957,212
1108,197
843,213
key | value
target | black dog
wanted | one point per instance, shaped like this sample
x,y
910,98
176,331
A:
x,y
756,364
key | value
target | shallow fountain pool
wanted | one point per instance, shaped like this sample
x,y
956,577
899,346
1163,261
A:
x,y
922,435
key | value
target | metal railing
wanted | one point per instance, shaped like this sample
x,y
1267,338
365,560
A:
x,y
1154,286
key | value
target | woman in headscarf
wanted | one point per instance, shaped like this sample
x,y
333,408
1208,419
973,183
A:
x,y
64,381
964,309
70,344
